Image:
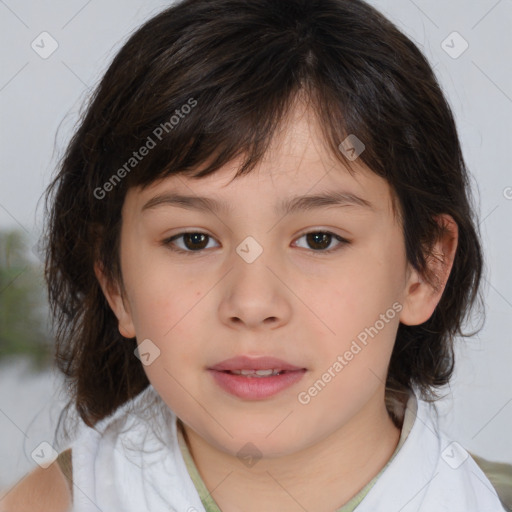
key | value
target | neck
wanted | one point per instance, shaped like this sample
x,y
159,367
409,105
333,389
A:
x,y
322,477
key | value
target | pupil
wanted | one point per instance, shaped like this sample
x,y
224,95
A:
x,y
195,238
315,240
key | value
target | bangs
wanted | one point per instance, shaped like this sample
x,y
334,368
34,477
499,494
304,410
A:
x,y
197,98
247,135
199,134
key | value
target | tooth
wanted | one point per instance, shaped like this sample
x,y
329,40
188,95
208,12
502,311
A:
x,y
249,372
264,372
257,373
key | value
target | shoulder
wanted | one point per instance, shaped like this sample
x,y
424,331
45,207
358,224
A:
x,y
460,480
41,490
500,476
432,472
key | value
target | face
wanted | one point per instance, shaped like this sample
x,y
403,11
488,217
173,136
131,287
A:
x,y
320,289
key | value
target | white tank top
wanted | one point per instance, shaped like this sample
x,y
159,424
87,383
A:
x,y
132,462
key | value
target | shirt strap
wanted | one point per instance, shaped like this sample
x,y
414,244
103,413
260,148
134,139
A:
x,y
66,466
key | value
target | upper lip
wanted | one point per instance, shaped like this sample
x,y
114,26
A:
x,y
255,363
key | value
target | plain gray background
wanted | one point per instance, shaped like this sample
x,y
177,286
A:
x,y
40,100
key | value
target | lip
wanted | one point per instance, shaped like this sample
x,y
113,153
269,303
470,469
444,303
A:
x,y
255,388
255,363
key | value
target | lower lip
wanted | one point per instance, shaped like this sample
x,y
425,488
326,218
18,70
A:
x,y
256,388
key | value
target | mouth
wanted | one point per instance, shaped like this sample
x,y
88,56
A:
x,y
255,378
257,373
252,365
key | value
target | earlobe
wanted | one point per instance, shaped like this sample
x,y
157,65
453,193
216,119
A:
x,y
418,304
421,296
116,302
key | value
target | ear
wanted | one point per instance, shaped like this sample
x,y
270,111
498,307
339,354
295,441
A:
x,y
421,298
116,302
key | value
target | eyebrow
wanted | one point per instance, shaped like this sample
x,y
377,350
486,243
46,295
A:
x,y
285,207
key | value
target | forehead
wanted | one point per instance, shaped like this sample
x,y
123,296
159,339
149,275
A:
x,y
297,163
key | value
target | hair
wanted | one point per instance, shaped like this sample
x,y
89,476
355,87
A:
x,y
238,66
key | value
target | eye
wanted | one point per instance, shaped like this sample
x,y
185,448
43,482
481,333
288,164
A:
x,y
197,241
320,240
194,241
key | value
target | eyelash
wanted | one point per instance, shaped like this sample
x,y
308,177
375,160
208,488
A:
x,y
168,242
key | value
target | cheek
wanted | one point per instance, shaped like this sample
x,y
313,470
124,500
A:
x,y
169,319
361,309
166,312
162,294
170,311
366,285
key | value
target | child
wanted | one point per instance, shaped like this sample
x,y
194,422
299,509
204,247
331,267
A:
x,y
261,247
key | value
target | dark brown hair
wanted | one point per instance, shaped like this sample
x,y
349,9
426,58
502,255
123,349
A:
x,y
239,66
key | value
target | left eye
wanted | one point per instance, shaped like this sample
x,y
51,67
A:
x,y
196,241
320,240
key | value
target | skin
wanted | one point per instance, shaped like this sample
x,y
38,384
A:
x,y
293,302
40,491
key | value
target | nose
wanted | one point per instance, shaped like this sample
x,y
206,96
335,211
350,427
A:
x,y
254,296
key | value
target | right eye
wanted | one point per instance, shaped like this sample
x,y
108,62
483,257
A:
x,y
194,241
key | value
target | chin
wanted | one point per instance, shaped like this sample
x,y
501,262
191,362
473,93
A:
x,y
265,440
